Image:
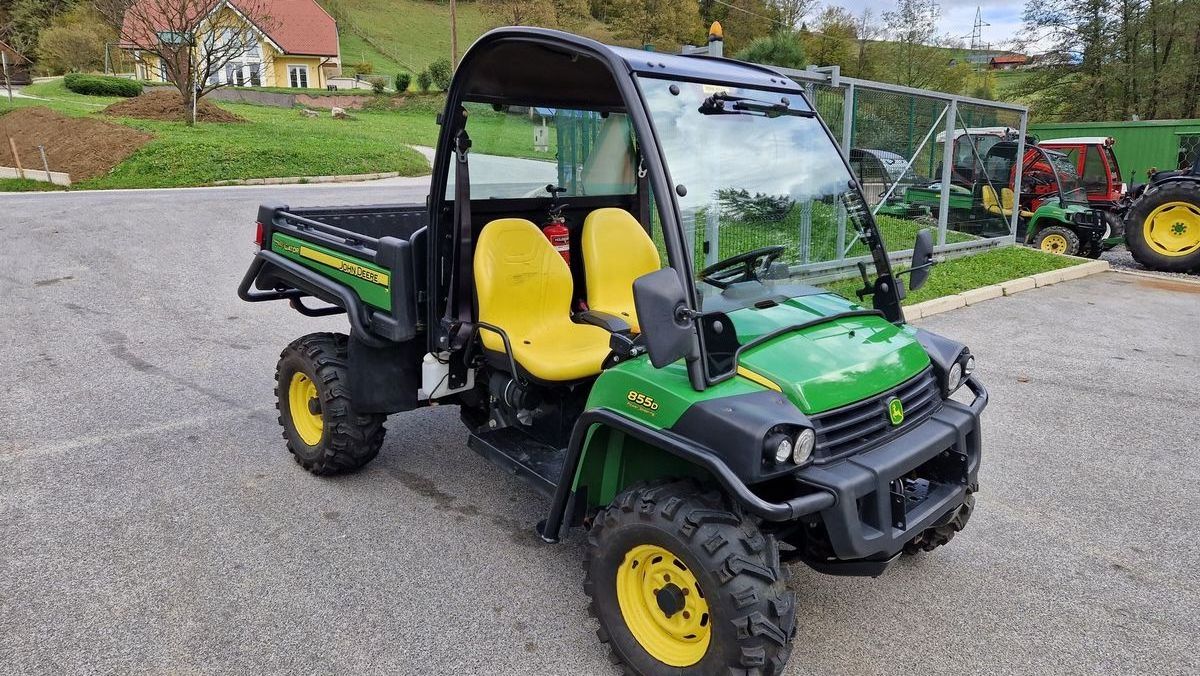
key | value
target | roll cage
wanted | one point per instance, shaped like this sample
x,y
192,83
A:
x,y
582,74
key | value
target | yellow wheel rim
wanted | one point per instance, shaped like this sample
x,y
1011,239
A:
x,y
1054,243
1173,229
663,606
308,425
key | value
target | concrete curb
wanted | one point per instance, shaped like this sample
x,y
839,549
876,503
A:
x,y
986,293
283,180
1169,277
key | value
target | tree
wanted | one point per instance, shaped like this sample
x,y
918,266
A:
x,y
868,31
913,27
27,19
520,12
666,24
790,14
74,42
194,40
833,41
781,49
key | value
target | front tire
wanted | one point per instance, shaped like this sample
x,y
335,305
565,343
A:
x,y
1057,239
1163,228
936,536
678,581
322,429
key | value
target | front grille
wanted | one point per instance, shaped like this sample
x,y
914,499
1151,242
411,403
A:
x,y
855,427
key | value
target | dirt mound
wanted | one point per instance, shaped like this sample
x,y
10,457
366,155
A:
x,y
83,147
165,104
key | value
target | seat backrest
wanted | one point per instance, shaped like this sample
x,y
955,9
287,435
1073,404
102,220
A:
x,y
989,199
521,282
616,251
1006,197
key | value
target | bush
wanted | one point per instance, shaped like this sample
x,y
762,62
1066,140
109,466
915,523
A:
x,y
364,68
377,84
780,49
403,80
102,85
424,80
439,73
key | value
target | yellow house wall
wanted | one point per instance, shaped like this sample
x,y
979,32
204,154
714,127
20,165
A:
x,y
316,78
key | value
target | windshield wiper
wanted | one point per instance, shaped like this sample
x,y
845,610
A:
x,y
715,105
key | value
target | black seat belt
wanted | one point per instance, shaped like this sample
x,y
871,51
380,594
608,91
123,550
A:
x,y
458,318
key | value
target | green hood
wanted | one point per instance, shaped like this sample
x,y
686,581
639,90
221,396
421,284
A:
x,y
832,364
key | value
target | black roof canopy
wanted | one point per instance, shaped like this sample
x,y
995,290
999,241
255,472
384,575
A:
x,y
539,66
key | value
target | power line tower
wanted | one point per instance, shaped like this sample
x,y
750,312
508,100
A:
x,y
977,31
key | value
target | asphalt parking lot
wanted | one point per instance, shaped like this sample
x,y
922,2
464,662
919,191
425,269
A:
x,y
152,521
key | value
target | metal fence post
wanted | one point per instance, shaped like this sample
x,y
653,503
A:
x,y
947,170
1012,226
847,142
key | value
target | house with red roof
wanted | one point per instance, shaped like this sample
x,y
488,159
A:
x,y
1007,61
281,43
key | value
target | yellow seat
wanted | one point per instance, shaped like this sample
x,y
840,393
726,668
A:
x,y
523,286
1006,198
1002,206
616,251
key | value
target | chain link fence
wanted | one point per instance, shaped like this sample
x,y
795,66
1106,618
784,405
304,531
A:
x,y
925,159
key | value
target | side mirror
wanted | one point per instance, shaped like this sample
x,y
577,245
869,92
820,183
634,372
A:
x,y
922,260
666,321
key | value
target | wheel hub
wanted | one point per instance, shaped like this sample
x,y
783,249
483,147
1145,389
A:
x,y
663,605
670,599
1173,229
304,405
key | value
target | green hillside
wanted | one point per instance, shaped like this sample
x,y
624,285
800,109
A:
x,y
407,35
396,35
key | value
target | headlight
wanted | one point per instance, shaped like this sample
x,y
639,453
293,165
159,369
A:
x,y
954,378
969,365
778,446
805,442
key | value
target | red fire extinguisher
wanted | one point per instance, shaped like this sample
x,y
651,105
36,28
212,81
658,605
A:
x,y
555,228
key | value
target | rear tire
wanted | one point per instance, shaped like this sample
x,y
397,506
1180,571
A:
x,y
312,394
681,583
1162,230
1057,239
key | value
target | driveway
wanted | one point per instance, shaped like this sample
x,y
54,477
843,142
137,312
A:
x,y
151,520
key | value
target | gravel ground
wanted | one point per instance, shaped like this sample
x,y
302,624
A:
x,y
151,520
1120,258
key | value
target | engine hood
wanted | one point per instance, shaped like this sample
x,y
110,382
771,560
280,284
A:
x,y
831,364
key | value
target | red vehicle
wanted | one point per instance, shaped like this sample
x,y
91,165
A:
x,y
1101,175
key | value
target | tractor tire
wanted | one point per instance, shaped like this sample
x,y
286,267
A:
x,y
1162,230
1058,239
1115,228
312,394
681,583
937,535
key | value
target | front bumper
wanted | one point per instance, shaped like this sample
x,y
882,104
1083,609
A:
x,y
875,513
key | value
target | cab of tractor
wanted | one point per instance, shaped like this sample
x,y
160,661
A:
x,y
1053,213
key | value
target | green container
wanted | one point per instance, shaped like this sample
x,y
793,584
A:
x,y
1161,144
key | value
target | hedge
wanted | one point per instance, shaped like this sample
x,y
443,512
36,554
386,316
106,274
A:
x,y
102,85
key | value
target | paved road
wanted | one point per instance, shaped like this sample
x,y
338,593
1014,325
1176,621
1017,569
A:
x,y
150,519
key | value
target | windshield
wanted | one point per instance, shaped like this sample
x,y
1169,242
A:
x,y
755,171
1068,178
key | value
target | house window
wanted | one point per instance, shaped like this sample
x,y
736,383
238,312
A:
x,y
255,75
298,77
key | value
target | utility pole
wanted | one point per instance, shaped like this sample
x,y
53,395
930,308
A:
x,y
7,84
453,35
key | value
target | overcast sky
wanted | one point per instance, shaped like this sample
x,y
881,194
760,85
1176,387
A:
x,y
958,17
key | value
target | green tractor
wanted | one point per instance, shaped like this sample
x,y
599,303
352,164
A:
x,y
645,345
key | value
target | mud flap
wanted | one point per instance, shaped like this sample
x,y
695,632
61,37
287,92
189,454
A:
x,y
385,379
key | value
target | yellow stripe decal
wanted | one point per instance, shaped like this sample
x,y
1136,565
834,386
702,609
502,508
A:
x,y
380,278
751,375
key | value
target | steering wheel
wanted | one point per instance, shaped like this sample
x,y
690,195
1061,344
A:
x,y
743,267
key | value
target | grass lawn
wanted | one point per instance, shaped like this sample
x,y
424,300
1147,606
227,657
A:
x,y
972,272
273,142
27,185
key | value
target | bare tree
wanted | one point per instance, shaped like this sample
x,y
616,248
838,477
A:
x,y
194,41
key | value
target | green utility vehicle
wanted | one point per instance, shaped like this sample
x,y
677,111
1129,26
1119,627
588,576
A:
x,y
664,372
